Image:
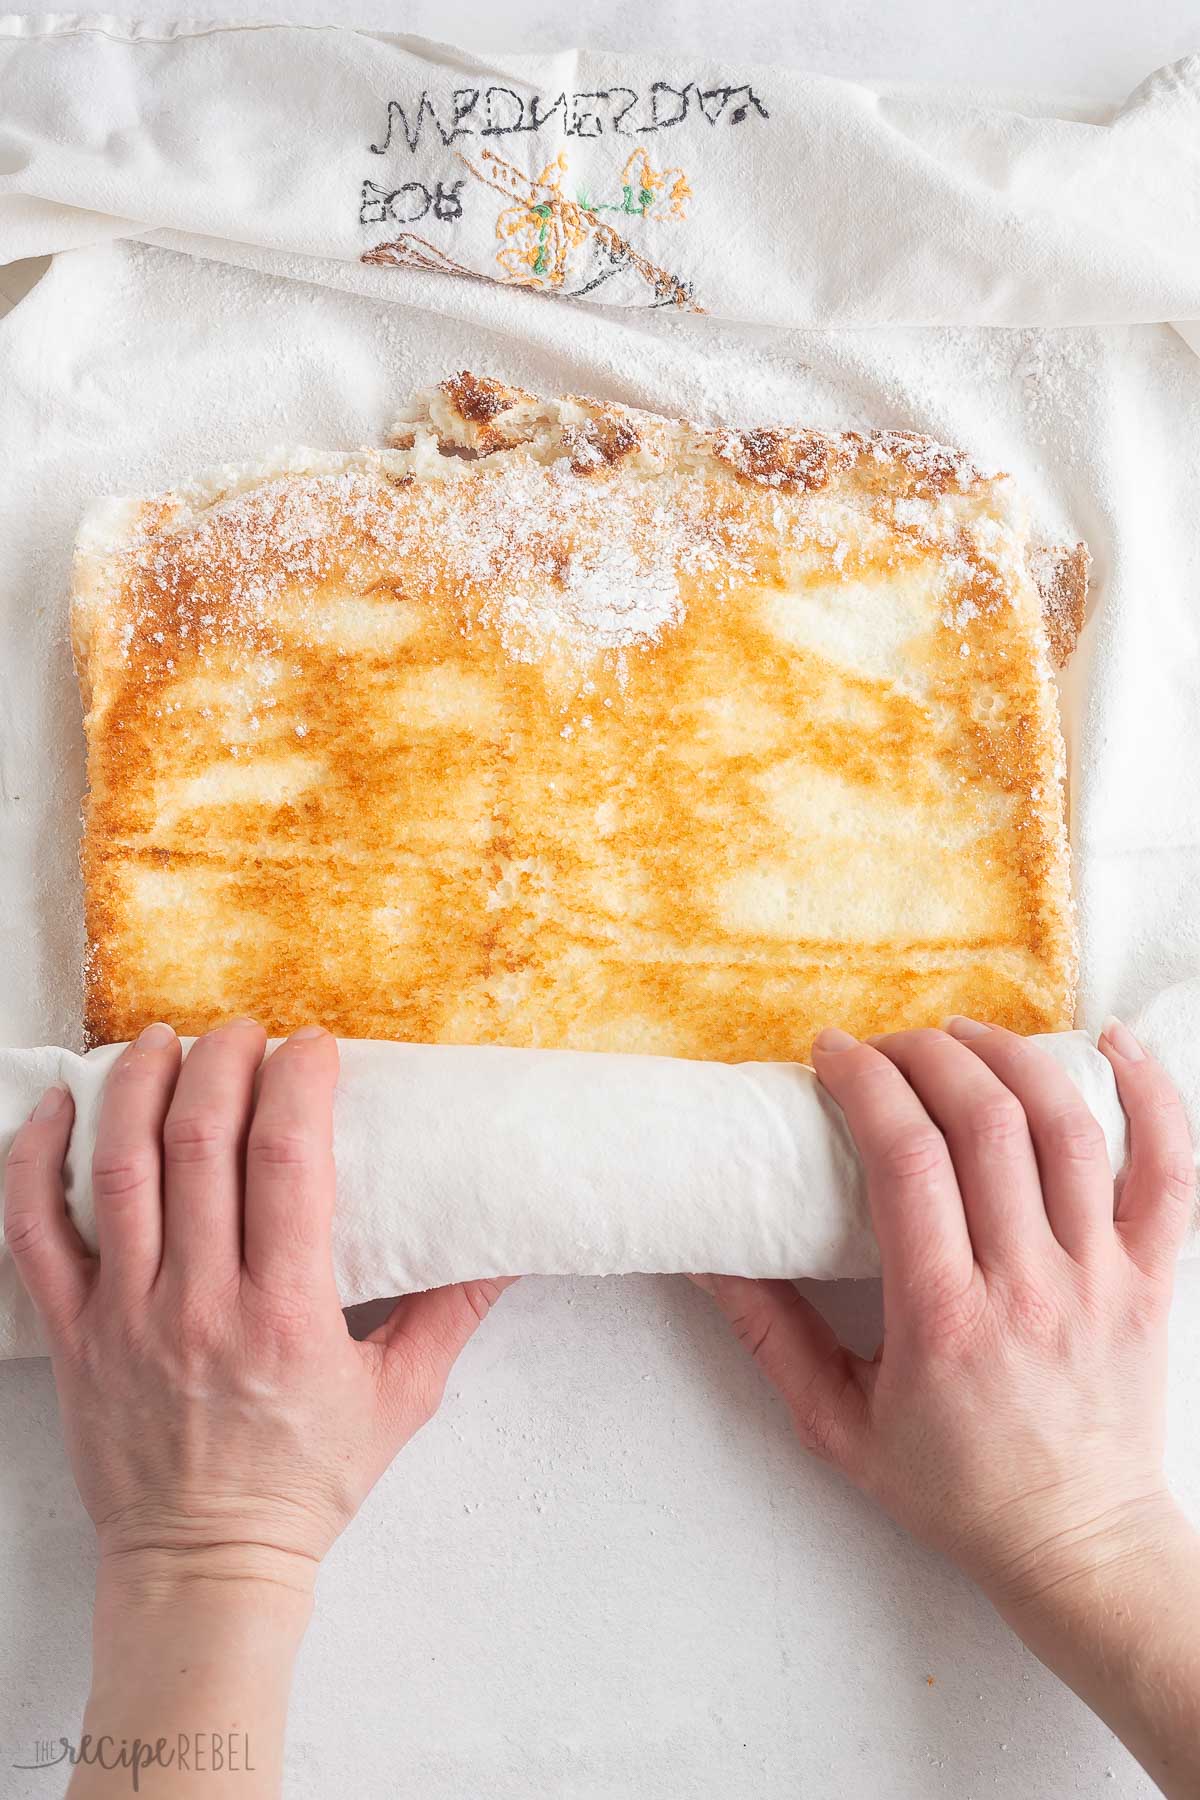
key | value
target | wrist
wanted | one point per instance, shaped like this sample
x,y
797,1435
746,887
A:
x,y
1095,1558
193,1650
1113,1614
244,1593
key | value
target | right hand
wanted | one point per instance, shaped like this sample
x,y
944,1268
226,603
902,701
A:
x,y
1013,1415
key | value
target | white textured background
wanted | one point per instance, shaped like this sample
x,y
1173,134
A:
x,y
605,1571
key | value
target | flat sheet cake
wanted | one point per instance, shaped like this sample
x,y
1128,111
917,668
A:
x,y
560,724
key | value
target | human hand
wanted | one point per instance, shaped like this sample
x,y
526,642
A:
x,y
212,1397
223,1425
1015,1406
1013,1415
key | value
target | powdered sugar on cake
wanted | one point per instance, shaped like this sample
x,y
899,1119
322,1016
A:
x,y
526,531
533,550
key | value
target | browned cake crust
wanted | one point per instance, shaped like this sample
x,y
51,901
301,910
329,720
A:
x,y
1061,574
560,724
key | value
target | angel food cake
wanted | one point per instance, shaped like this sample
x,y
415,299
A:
x,y
559,724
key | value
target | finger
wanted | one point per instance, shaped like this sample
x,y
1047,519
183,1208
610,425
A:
x,y
127,1159
289,1166
824,1384
50,1256
984,1126
424,1335
203,1138
916,1207
1158,1194
1072,1156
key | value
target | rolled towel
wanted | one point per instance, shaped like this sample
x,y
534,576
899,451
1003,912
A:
x,y
460,1162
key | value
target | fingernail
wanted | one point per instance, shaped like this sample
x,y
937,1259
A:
x,y
51,1102
307,1031
965,1028
156,1037
238,1019
833,1039
1122,1040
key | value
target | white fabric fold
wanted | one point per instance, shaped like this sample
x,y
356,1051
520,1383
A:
x,y
752,193
458,1163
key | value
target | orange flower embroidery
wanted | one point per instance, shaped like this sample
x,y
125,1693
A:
x,y
538,234
547,237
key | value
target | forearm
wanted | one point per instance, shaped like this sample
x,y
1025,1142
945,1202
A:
x,y
1119,1626
191,1671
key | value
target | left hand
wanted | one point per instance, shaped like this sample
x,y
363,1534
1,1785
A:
x,y
216,1408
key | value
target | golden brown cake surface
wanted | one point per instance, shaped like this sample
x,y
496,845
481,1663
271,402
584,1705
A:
x,y
560,724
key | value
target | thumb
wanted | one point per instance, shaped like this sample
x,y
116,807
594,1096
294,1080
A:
x,y
824,1385
423,1336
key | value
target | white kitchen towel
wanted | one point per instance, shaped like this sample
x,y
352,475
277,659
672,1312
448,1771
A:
x,y
753,193
210,332
456,1163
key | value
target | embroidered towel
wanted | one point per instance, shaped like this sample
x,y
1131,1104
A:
x,y
209,196
755,194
